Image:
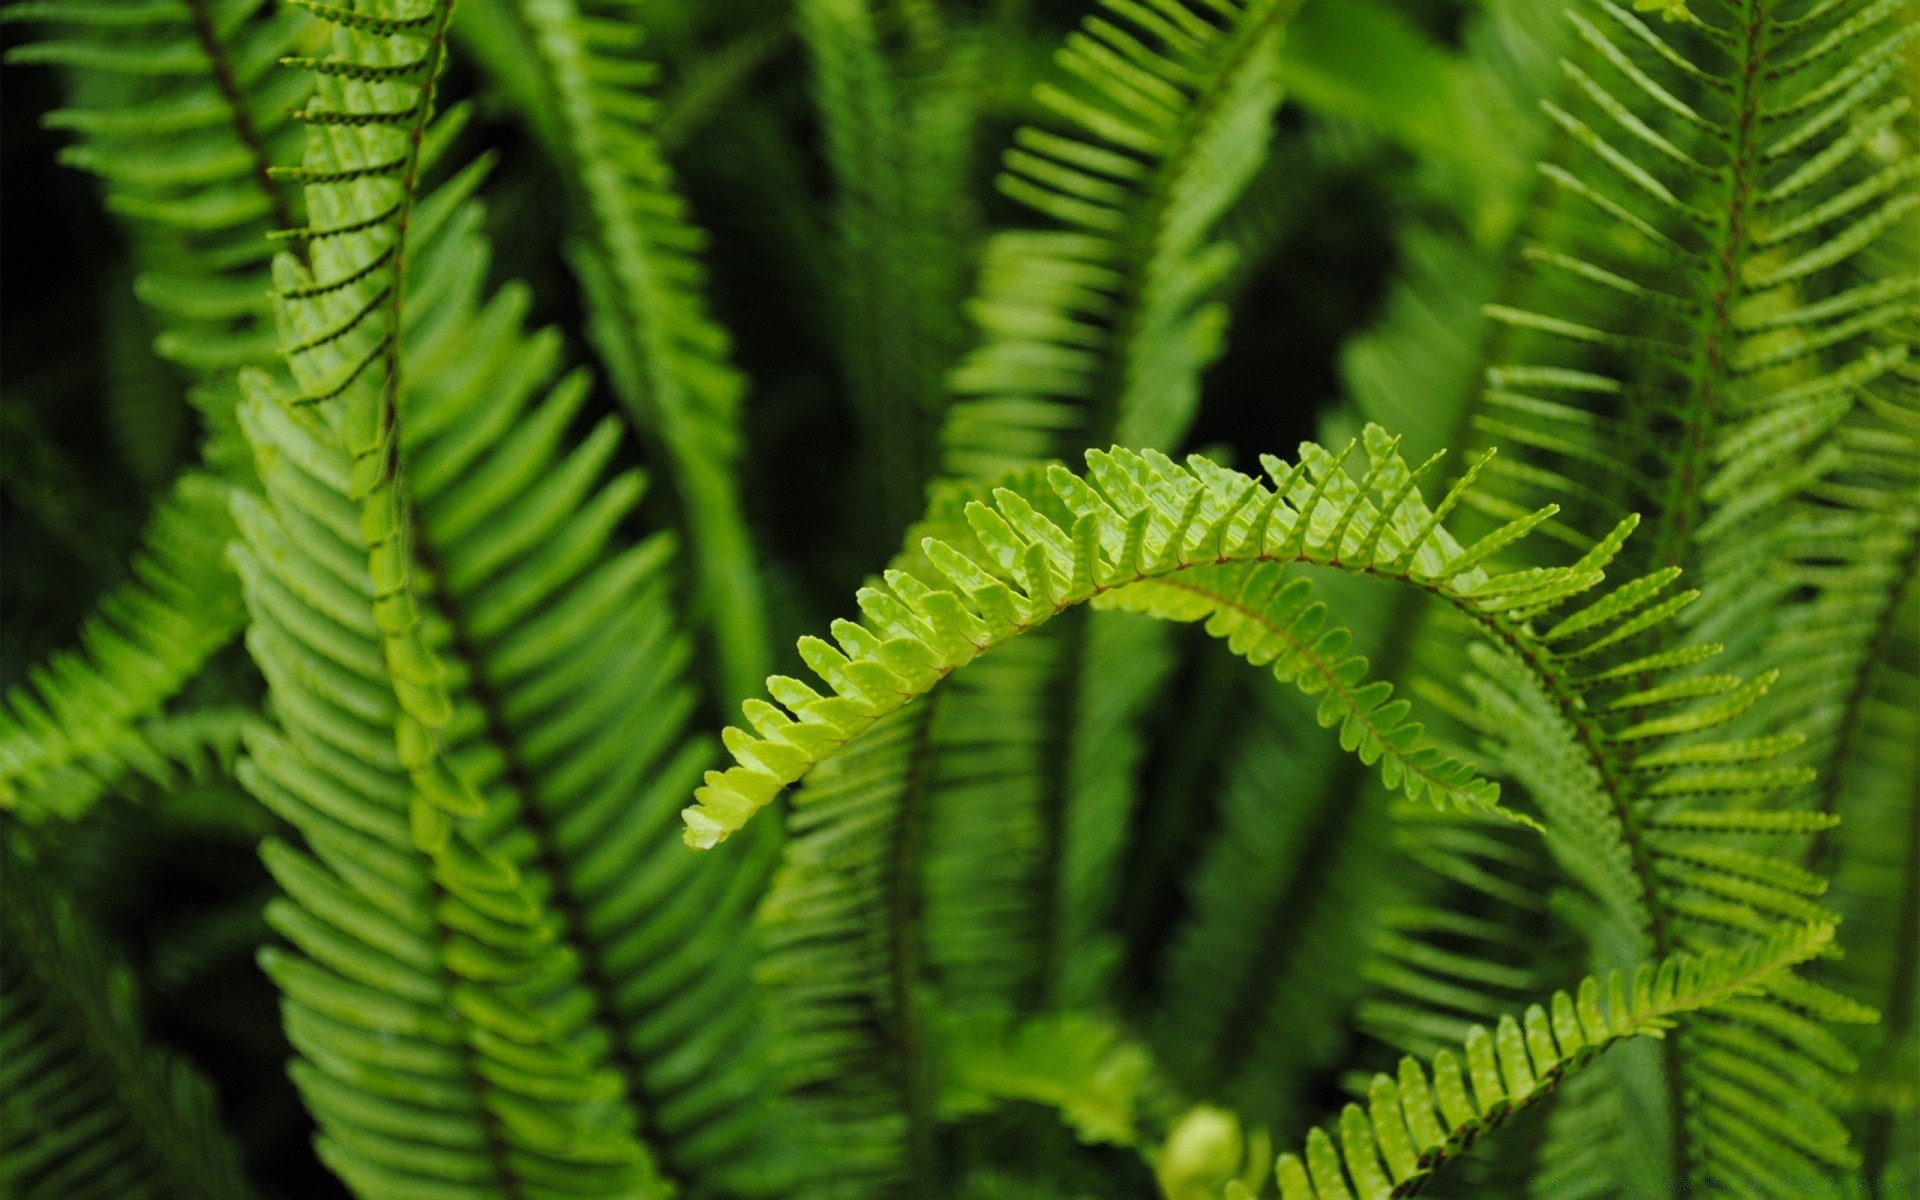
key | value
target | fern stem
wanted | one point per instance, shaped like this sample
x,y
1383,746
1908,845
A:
x,y
498,1152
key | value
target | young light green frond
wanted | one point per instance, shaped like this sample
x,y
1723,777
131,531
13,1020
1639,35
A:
x,y
72,734
638,258
1144,518
1417,1122
89,1110
1098,329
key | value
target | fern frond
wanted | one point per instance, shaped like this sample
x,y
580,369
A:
x,y
1078,1063
898,122
87,1107
1098,331
77,730
1417,1122
435,600
638,257
1203,542
1733,159
180,117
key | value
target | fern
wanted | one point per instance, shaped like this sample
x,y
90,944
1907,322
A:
x,y
86,722
1699,334
897,130
637,259
182,128
1099,331
430,602
90,1110
1180,536
1415,1123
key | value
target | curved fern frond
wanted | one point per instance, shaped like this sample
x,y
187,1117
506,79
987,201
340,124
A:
x,y
1201,541
638,257
1417,1122
72,735
88,1109
1099,331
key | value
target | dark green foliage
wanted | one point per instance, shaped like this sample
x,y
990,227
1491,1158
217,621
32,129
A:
x,y
500,389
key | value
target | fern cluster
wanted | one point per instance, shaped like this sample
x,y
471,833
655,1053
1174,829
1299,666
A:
x,y
553,362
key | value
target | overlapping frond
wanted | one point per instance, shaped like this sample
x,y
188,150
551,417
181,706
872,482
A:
x,y
1416,1122
88,1109
1715,309
1098,331
482,713
638,258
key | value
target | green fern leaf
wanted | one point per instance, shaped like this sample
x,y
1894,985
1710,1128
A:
x,y
1098,331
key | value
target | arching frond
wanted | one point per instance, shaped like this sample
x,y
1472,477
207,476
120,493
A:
x,y
1183,543
88,1109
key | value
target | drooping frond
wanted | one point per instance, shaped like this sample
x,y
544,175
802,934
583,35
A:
x,y
1415,1123
1199,541
1098,331
638,256
89,716
88,1109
